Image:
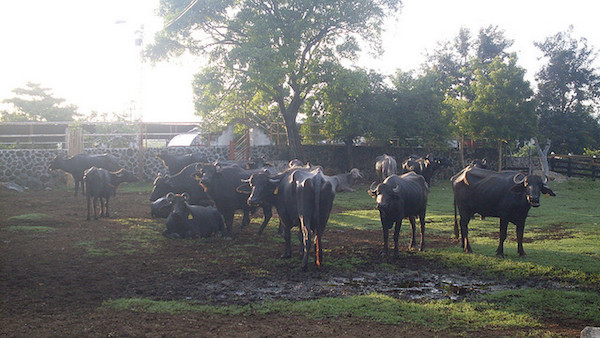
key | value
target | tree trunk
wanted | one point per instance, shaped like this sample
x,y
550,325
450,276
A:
x,y
500,155
461,147
293,138
543,155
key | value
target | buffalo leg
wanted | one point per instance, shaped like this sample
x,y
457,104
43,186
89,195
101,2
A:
x,y
106,214
464,232
95,201
89,200
385,229
77,187
397,235
520,230
287,253
246,218
422,221
503,231
228,217
318,249
305,242
413,232
268,213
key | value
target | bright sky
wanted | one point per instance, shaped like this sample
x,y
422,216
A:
x,y
75,47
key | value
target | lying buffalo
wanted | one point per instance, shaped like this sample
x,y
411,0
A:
x,y
191,221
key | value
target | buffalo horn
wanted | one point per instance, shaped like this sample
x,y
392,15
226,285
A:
x,y
186,196
371,188
396,189
545,179
519,178
170,196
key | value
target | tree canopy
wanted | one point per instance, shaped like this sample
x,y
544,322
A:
x,y
268,53
568,93
35,103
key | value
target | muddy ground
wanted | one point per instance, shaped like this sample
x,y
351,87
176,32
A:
x,y
54,280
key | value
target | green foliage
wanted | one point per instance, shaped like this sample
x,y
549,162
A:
x,y
591,152
502,109
568,93
266,57
35,103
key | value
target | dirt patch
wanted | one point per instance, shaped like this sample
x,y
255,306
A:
x,y
55,280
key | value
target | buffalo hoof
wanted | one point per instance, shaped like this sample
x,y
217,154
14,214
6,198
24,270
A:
x,y
286,255
522,254
499,255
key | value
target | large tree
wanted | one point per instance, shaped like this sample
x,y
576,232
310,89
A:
x,y
36,103
270,53
568,93
503,109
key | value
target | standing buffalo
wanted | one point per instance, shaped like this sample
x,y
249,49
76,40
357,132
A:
x,y
425,166
180,183
175,163
222,185
191,221
102,184
399,197
77,164
303,197
385,166
508,195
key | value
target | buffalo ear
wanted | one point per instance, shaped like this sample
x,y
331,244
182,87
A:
x,y
546,190
517,188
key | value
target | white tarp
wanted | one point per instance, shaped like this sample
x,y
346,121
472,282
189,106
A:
x,y
183,140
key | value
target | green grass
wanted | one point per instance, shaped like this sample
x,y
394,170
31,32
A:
x,y
562,235
33,217
30,228
436,316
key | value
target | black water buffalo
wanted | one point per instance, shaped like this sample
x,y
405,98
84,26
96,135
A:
x,y
303,197
77,164
222,184
385,166
175,163
508,195
399,197
191,221
180,183
101,184
425,166
344,182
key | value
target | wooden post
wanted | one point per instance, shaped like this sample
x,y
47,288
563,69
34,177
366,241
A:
x,y
231,150
500,155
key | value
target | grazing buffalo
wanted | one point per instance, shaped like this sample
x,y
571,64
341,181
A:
x,y
303,197
77,164
508,195
180,183
222,184
385,166
191,221
344,182
399,197
102,184
425,166
175,163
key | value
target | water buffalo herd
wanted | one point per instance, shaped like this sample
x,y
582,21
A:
x,y
199,198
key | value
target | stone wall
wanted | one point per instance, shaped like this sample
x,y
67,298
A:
x,y
30,167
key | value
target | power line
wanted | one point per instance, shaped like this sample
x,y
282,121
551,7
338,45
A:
x,y
185,10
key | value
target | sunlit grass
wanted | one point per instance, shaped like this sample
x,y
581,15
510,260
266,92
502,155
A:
x,y
33,217
31,228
